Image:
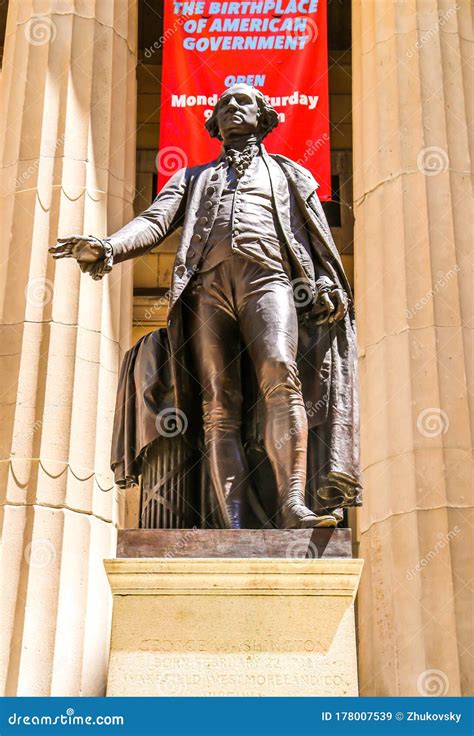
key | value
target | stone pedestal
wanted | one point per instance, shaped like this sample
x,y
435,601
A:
x,y
233,626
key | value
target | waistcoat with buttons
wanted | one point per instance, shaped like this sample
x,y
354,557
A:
x,y
245,222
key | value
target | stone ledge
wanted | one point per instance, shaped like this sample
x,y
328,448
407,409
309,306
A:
x,y
158,576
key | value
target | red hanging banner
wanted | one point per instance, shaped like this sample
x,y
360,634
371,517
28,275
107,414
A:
x,y
278,46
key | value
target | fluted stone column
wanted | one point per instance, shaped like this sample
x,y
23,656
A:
x,y
412,107
67,143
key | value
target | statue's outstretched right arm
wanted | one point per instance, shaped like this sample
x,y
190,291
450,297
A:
x,y
96,256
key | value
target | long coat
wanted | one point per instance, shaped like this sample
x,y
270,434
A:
x,y
327,358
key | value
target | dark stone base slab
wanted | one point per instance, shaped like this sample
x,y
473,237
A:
x,y
251,543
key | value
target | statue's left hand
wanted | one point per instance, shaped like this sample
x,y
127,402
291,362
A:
x,y
334,304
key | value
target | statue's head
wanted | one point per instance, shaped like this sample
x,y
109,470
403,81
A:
x,y
241,110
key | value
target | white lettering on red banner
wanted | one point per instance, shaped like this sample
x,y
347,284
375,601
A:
x,y
277,46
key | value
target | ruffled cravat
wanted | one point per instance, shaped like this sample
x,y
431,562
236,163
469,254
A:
x,y
241,160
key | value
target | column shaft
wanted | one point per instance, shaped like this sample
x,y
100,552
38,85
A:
x,y
413,229
67,151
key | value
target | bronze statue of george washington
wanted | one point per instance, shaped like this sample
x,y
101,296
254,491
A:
x,y
256,269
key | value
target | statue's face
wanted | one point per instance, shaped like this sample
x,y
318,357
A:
x,y
237,112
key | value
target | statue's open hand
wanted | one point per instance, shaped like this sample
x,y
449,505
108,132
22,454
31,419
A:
x,y
84,248
334,306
